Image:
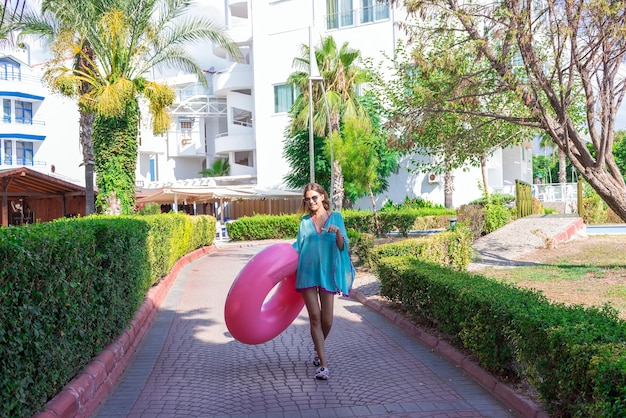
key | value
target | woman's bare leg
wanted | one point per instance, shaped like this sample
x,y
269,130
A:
x,y
319,320
327,300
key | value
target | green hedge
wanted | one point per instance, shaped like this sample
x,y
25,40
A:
x,y
286,226
259,227
574,356
401,220
451,248
69,288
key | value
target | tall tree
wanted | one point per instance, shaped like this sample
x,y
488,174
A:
x,y
127,39
296,152
59,20
365,159
435,104
567,48
333,99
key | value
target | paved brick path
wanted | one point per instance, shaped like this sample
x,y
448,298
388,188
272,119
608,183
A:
x,y
189,366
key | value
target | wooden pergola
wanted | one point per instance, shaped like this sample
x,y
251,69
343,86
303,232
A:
x,y
29,196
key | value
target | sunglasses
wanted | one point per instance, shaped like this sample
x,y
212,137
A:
x,y
313,198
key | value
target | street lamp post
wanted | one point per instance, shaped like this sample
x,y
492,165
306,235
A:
x,y
311,136
314,75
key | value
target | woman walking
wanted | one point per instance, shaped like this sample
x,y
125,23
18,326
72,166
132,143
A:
x,y
324,267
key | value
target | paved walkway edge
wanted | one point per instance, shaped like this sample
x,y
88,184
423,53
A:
x,y
84,393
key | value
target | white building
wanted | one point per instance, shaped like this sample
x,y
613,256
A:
x,y
240,114
243,114
38,130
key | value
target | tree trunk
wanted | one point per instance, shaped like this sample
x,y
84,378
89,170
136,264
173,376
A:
x,y
376,220
596,170
337,188
85,131
115,146
448,188
483,172
86,142
562,167
604,184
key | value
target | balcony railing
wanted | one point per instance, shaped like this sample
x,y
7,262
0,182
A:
x,y
19,162
191,91
247,124
23,121
23,78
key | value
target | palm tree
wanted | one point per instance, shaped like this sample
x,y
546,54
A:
x,y
10,16
333,99
59,20
114,49
219,168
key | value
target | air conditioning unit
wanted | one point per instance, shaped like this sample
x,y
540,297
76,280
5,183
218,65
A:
x,y
434,178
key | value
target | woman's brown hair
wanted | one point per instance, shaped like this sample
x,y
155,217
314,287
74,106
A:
x,y
316,188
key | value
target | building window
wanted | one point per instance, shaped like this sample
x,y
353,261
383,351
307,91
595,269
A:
x,y
23,112
8,152
381,11
244,158
340,13
284,96
152,173
186,124
9,71
6,104
242,117
24,152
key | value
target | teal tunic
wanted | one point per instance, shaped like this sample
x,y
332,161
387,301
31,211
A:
x,y
321,264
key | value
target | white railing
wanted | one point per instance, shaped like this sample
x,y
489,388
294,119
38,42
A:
x,y
555,192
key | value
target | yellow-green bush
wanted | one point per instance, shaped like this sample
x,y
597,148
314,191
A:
x,y
594,211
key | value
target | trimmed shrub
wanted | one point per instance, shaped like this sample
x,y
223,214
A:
x,y
398,220
449,248
68,288
259,227
574,356
361,246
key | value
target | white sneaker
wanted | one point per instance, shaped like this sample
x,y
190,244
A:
x,y
322,373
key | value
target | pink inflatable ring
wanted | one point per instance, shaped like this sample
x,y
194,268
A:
x,y
250,318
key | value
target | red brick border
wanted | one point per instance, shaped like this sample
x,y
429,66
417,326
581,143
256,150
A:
x,y
569,232
84,393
